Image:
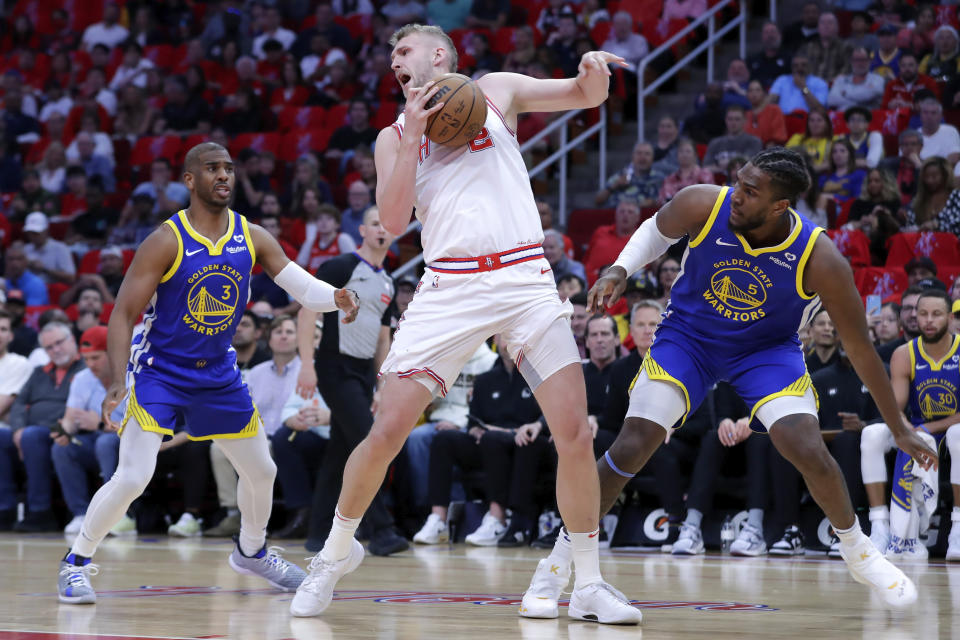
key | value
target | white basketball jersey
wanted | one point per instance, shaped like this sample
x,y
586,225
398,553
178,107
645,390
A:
x,y
475,199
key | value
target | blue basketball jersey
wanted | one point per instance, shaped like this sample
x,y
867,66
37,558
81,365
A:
x,y
934,383
739,298
191,319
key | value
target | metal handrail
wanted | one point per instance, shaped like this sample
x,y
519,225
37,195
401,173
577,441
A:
x,y
713,37
560,155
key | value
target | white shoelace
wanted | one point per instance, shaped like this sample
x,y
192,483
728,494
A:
x,y
78,576
317,569
274,559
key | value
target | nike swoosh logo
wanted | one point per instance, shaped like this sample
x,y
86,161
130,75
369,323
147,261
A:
x,y
921,366
594,534
725,244
190,253
543,271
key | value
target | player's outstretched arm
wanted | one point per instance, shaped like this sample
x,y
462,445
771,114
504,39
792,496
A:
x,y
684,215
516,93
828,274
154,258
314,294
397,158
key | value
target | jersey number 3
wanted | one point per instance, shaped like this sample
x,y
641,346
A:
x,y
481,142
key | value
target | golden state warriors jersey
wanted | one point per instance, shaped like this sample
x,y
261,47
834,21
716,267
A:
x,y
933,383
731,294
191,319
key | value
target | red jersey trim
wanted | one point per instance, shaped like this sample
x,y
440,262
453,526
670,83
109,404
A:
x,y
500,115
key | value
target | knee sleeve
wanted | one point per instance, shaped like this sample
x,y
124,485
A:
x,y
657,401
953,445
875,441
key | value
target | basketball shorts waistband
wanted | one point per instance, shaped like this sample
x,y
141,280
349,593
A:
x,y
489,262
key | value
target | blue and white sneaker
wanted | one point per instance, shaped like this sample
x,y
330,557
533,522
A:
x,y
269,565
73,584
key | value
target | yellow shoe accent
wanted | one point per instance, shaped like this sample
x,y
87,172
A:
x,y
893,586
864,555
554,569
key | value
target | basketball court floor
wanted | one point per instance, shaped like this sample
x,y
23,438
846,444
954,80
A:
x,y
174,588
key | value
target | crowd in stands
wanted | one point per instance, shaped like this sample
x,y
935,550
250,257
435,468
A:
x,y
100,105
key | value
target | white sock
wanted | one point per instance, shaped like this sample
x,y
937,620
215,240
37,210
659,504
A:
x,y
562,553
880,513
338,544
755,518
955,514
694,518
849,537
586,558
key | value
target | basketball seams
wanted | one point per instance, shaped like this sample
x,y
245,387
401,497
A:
x,y
445,103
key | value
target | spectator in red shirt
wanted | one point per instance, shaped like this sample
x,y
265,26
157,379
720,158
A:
x,y
609,240
899,93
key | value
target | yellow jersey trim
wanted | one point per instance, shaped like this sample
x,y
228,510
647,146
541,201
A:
x,y
249,239
656,372
798,389
176,263
248,431
802,264
797,227
936,365
713,217
913,360
143,418
212,249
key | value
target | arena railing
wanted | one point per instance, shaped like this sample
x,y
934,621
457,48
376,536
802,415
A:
x,y
709,45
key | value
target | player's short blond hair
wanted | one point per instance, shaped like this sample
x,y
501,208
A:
x,y
429,29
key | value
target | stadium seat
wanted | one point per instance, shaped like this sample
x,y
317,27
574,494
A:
x,y
582,224
163,56
796,122
90,262
300,141
853,244
942,248
148,148
301,118
257,141
337,116
882,281
385,114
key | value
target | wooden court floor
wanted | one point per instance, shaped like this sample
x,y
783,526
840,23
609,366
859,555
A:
x,y
166,588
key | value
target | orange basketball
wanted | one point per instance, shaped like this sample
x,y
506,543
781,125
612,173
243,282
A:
x,y
463,113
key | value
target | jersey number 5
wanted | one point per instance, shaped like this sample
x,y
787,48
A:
x,y
481,142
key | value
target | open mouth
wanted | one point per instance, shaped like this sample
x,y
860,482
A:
x,y
404,79
222,191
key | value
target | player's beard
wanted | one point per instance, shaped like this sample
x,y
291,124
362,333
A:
x,y
747,225
937,336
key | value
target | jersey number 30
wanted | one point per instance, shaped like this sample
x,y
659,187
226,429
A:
x,y
481,142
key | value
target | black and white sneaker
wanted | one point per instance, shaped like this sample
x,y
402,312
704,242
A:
x,y
515,536
791,544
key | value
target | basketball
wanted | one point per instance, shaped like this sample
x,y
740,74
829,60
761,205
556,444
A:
x,y
463,114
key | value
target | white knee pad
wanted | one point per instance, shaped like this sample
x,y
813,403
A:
x,y
953,444
657,401
875,441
